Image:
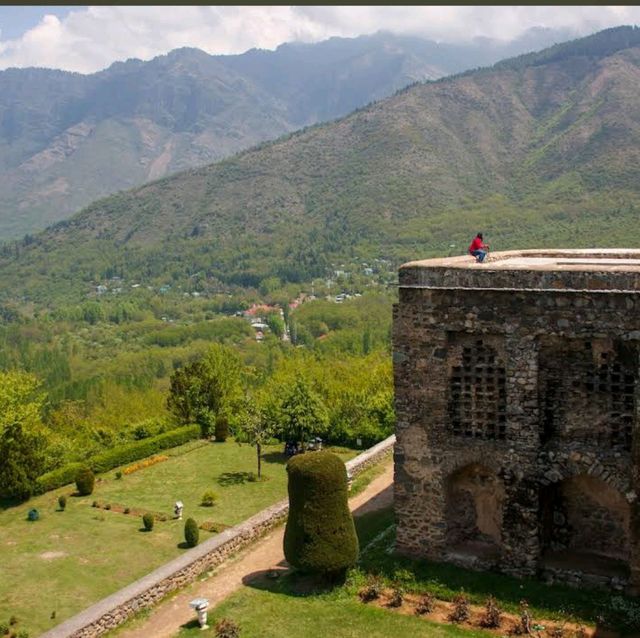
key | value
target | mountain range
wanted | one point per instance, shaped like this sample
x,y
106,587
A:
x,y
67,139
539,150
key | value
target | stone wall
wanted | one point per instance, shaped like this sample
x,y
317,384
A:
x,y
535,382
112,611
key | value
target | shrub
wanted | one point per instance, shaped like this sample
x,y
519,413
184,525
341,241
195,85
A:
x,y
320,535
460,611
33,515
492,616
524,626
57,478
118,475
221,430
209,498
191,532
107,506
4,628
85,480
140,465
371,591
148,521
13,620
126,510
22,634
396,598
252,477
62,501
226,628
426,604
95,504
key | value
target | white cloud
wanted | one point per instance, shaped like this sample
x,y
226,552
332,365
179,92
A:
x,y
90,39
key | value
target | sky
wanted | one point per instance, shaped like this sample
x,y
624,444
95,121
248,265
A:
x,y
90,38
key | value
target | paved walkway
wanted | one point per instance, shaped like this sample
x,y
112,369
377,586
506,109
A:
x,y
166,619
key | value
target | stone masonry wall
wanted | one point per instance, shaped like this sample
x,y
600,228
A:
x,y
112,611
534,387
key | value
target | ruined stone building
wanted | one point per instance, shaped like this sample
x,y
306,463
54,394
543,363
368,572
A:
x,y
517,398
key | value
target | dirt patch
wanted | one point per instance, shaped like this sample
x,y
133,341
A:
x,y
509,626
52,555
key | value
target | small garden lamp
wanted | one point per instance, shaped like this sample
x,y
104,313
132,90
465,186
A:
x,y
200,605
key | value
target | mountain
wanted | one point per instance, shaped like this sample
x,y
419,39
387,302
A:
x,y
67,139
539,150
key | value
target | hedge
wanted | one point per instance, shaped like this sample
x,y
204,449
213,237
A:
x,y
120,455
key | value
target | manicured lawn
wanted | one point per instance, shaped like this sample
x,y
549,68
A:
x,y
68,560
284,608
269,614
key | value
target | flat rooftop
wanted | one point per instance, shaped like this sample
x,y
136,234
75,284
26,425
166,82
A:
x,y
597,269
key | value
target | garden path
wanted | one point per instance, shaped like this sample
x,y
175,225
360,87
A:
x,y
166,619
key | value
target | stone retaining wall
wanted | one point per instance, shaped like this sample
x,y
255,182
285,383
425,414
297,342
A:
x,y
112,611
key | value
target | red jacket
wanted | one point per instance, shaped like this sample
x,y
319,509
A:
x,y
476,244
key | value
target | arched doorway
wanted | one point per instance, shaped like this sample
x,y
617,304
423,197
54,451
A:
x,y
474,503
585,526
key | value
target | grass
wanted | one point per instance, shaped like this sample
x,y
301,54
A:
x,y
284,608
69,560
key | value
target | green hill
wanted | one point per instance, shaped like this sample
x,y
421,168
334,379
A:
x,y
67,139
538,150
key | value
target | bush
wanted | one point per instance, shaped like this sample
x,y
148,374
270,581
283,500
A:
x,y
22,634
191,532
426,604
148,521
320,535
85,480
460,611
226,628
492,616
107,506
126,510
62,501
221,430
209,499
252,477
118,475
396,598
4,628
33,515
58,478
371,591
95,504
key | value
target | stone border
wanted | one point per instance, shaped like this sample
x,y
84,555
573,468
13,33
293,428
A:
x,y
115,609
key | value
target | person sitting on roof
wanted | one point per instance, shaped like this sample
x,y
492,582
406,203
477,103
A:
x,y
478,248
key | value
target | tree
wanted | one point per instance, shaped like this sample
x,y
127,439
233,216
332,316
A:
x,y
276,324
302,413
257,430
23,438
204,389
320,535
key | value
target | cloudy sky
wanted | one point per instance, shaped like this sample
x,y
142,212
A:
x,y
88,38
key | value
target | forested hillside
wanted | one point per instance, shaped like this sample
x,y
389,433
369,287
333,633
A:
x,y
537,151
67,139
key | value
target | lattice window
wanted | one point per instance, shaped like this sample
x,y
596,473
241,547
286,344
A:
x,y
615,384
477,394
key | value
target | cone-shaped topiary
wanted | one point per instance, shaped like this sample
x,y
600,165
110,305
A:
x,y
148,520
320,535
191,532
85,480
221,428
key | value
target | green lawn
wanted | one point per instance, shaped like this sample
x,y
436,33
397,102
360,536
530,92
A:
x,y
279,609
69,560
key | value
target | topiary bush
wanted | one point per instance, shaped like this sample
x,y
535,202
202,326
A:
x,y
209,498
221,430
148,521
85,480
320,535
191,532
62,502
33,515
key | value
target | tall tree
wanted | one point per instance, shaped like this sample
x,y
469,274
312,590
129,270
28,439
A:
x,y
257,430
22,434
302,413
202,390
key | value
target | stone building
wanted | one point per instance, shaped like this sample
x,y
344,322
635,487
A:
x,y
517,398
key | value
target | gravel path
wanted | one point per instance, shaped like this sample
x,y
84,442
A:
x,y
166,619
